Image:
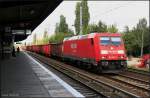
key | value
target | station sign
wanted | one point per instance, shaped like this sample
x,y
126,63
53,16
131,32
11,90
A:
x,y
21,32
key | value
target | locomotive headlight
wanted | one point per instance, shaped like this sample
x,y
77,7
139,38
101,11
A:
x,y
104,52
103,57
121,57
120,52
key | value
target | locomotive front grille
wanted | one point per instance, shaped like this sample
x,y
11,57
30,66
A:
x,y
112,64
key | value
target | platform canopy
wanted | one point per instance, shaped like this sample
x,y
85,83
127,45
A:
x,y
26,15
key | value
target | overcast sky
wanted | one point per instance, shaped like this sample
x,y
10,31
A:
x,y
121,13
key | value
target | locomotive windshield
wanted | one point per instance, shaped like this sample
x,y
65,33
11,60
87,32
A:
x,y
116,40
110,40
105,40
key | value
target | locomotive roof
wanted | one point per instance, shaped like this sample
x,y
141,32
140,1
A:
x,y
91,35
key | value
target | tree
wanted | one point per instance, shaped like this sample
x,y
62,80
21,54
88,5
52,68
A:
x,y
147,40
61,31
70,32
142,24
63,26
128,41
77,19
102,27
85,17
133,38
112,29
142,29
57,28
92,28
57,38
126,29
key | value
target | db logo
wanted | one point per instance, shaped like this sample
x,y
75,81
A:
x,y
73,45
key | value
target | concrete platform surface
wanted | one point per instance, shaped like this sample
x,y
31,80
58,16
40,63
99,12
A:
x,y
23,76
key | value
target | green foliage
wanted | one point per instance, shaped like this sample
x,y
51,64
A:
x,y
93,28
39,42
58,37
77,19
45,40
133,38
142,24
57,28
85,17
61,31
112,29
102,27
62,26
70,32
126,29
147,38
128,42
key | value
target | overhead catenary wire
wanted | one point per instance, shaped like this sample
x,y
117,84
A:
x,y
111,10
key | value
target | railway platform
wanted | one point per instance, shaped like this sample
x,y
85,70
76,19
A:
x,y
23,76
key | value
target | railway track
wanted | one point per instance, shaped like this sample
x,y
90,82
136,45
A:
x,y
146,73
105,85
135,76
132,82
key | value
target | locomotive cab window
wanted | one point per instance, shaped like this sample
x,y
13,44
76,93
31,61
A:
x,y
104,40
116,40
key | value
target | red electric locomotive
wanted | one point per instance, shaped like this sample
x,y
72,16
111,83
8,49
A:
x,y
102,51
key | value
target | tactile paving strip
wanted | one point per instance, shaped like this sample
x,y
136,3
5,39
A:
x,y
54,88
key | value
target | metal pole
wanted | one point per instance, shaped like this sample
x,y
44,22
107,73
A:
x,y
142,43
80,19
